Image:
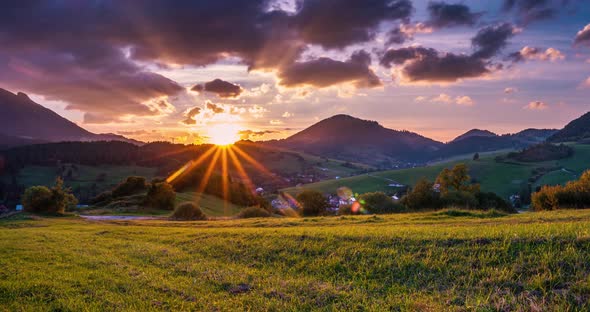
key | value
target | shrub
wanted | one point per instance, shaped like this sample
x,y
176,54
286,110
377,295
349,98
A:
x,y
254,212
422,196
379,202
313,203
130,186
188,211
102,198
37,199
54,200
490,201
575,194
161,196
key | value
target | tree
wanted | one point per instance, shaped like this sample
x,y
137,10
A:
x,y
54,200
313,203
422,196
476,157
456,179
130,186
379,202
161,196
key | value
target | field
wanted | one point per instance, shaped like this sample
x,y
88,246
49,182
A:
x,y
448,260
212,206
83,176
502,178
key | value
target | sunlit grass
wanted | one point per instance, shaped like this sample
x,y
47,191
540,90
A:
x,y
423,261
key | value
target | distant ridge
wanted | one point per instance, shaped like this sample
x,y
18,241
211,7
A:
x,y
475,133
577,130
22,122
352,139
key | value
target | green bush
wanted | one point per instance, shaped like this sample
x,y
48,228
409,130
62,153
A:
x,y
45,200
379,202
161,196
574,195
254,212
102,198
38,199
312,203
130,186
188,212
422,196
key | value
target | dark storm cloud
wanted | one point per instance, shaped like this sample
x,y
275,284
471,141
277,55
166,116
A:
x,y
449,15
339,23
490,40
222,88
324,72
528,11
419,64
397,36
583,36
85,52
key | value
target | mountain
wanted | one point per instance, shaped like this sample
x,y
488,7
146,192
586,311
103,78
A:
x,y
475,133
22,121
576,130
352,139
534,136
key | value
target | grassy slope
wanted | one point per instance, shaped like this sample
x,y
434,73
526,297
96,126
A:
x,y
86,175
426,261
210,205
501,178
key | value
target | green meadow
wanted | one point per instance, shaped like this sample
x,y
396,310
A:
x,y
449,260
502,178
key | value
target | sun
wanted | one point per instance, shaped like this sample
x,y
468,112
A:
x,y
223,134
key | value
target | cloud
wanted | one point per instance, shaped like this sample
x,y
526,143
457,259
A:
x,y
190,116
404,32
257,111
340,23
529,11
287,115
583,36
529,53
250,134
586,83
324,72
419,99
420,64
492,39
276,122
464,100
510,90
442,98
222,88
214,108
449,15
536,105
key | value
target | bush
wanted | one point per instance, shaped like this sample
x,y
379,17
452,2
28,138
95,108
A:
x,y
422,196
188,211
102,198
379,202
45,200
38,199
312,203
490,201
254,212
575,194
161,196
130,186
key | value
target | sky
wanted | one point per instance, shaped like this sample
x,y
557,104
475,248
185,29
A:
x,y
182,70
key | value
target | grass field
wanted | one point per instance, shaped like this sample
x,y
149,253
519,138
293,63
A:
x,y
212,206
84,176
422,262
504,179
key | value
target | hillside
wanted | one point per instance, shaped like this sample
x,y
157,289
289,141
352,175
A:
x,y
348,138
502,178
577,130
475,133
25,122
